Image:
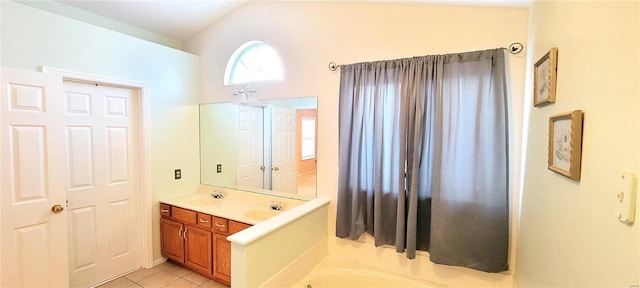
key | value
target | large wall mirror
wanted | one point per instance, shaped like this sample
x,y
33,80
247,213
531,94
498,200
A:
x,y
267,146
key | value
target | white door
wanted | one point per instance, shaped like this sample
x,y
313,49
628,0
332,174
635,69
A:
x,y
250,151
284,164
101,130
33,180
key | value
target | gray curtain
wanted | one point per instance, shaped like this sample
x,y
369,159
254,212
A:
x,y
424,157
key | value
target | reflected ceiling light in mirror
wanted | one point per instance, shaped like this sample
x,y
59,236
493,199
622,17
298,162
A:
x,y
244,95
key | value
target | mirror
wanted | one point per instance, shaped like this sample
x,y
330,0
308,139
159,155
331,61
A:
x,y
267,146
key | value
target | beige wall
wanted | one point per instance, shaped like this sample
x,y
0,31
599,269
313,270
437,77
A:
x,y
568,236
221,144
309,35
32,38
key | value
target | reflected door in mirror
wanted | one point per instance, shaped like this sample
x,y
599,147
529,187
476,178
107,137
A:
x,y
284,164
250,141
240,149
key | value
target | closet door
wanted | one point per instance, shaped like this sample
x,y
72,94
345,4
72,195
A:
x,y
101,129
33,181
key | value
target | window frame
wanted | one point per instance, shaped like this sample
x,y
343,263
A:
x,y
266,55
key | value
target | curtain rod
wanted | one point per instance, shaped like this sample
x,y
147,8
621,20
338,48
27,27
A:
x,y
514,48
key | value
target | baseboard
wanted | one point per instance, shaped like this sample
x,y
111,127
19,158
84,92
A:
x,y
159,261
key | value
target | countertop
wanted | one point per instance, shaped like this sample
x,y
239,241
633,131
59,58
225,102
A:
x,y
245,207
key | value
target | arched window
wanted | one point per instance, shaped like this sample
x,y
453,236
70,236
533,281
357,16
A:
x,y
254,61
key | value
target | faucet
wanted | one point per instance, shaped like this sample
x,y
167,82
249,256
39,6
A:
x,y
217,195
275,205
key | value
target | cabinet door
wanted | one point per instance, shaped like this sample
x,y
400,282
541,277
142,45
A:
x,y
198,249
172,242
222,251
222,258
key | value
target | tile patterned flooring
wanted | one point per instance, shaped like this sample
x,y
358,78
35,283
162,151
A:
x,y
166,275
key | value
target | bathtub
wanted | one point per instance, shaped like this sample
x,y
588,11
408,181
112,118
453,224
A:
x,y
357,276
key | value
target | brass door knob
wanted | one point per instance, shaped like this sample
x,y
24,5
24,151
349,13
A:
x,y
276,168
57,208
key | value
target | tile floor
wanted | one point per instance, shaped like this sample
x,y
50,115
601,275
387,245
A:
x,y
166,275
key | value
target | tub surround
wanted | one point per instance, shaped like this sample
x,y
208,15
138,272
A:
x,y
300,267
261,252
275,223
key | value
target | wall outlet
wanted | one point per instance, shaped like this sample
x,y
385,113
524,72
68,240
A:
x,y
177,174
219,168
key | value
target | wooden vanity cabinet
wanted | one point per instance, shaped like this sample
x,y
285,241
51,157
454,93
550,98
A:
x,y
198,240
184,242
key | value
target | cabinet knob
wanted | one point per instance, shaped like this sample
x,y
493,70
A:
x,y
204,220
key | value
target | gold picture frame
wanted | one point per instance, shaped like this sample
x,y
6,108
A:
x,y
544,78
565,144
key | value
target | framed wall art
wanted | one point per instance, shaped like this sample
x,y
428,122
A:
x,y
565,144
544,78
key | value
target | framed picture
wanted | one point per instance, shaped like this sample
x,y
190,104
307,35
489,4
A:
x,y
565,144
544,78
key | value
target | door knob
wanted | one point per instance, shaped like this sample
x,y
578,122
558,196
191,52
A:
x,y
57,208
276,168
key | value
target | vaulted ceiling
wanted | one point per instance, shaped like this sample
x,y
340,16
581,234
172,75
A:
x,y
178,20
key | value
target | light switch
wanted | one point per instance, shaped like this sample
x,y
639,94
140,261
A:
x,y
625,194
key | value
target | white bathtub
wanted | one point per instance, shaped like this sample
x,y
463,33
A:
x,y
356,276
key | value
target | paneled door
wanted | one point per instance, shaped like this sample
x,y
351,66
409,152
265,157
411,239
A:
x,y
33,181
250,171
284,162
101,131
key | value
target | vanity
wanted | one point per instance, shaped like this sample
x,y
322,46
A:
x,y
250,173
194,228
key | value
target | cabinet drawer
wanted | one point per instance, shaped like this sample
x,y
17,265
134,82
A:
x,y
165,210
204,220
220,224
184,215
235,227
